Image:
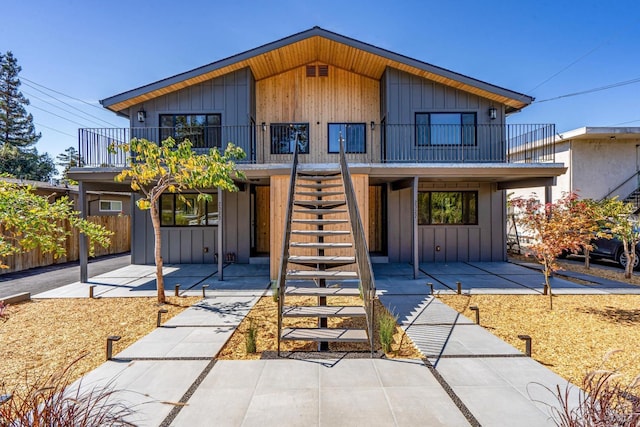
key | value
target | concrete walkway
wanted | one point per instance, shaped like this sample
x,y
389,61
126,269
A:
x,y
468,376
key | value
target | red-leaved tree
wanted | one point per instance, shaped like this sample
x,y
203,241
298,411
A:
x,y
555,227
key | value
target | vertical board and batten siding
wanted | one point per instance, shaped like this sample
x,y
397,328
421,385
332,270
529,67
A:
x,y
342,97
230,95
458,243
403,95
279,198
236,220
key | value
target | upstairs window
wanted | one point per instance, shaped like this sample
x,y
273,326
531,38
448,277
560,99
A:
x,y
448,208
203,130
445,129
285,135
353,135
188,211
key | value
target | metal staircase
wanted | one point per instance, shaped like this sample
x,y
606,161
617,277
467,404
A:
x,y
319,259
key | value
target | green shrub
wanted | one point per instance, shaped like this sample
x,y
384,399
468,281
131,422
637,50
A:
x,y
250,338
387,323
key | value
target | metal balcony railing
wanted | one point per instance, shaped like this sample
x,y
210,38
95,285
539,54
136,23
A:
x,y
384,143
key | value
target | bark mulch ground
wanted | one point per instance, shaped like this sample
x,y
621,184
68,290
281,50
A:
x,y
43,336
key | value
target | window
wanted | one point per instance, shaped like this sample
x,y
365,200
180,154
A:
x,y
203,130
284,136
110,206
188,210
448,207
353,135
445,129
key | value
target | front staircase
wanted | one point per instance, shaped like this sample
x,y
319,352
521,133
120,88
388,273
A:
x,y
320,260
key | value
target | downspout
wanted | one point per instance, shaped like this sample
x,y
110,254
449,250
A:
x,y
83,252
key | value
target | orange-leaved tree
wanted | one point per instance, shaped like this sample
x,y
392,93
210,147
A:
x,y
555,227
174,167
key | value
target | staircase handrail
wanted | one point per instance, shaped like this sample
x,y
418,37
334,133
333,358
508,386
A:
x,y
635,174
284,255
361,249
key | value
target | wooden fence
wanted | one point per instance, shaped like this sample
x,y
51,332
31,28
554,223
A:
x,y
120,242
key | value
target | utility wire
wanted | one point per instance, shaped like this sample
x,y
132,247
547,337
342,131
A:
x,y
53,129
67,104
58,115
57,106
60,93
597,89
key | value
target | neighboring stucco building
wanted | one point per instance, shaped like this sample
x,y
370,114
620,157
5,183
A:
x,y
601,162
428,149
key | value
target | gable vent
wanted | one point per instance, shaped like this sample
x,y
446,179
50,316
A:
x,y
323,70
311,70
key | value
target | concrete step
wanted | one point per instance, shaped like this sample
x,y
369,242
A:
x,y
319,211
329,261
320,193
315,274
323,311
321,232
325,334
320,221
314,291
318,245
326,204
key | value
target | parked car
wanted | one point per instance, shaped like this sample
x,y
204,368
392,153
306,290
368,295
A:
x,y
612,249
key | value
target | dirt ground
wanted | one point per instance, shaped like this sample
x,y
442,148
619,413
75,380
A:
x,y
575,336
264,317
42,336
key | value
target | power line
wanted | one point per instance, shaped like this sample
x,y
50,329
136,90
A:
x,y
583,56
57,106
626,123
58,115
67,104
597,89
53,129
60,93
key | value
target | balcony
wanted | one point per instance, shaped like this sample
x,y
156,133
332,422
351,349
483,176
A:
x,y
383,143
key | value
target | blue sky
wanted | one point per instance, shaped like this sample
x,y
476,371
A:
x,y
91,50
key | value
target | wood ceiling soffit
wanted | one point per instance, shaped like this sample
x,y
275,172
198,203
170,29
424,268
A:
x,y
318,49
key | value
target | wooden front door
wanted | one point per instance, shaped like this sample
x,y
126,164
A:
x,y
377,220
262,212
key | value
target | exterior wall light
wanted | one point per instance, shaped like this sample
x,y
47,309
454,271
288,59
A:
x,y
493,113
373,125
264,127
142,115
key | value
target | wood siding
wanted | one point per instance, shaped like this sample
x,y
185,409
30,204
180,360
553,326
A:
x,y
120,242
279,200
230,95
291,97
263,219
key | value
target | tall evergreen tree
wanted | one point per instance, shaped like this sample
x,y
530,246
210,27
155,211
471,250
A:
x,y
16,126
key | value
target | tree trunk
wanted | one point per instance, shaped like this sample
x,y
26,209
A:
x,y
629,267
587,259
547,274
155,220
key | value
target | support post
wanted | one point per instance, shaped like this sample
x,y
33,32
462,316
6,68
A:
x,y
110,341
414,222
83,247
159,319
477,310
527,343
204,291
220,239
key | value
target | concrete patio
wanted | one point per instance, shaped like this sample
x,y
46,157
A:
x,y
468,376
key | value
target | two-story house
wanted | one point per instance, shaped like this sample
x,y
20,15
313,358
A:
x,y
427,149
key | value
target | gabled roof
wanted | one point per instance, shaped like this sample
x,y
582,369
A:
x,y
318,45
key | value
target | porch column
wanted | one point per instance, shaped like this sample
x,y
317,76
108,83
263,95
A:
x,y
548,194
414,217
220,239
83,250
